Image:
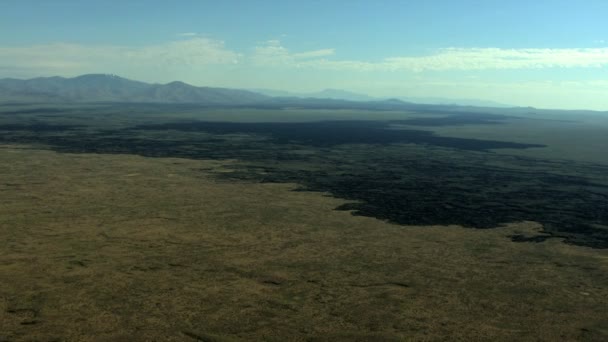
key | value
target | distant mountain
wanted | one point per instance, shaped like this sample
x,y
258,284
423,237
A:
x,y
342,95
456,102
335,94
111,88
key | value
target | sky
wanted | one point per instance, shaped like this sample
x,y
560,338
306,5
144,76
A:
x,y
546,54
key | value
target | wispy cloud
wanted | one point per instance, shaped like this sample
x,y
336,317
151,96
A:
x,y
273,53
187,34
73,59
495,58
196,51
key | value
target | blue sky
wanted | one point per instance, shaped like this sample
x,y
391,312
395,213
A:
x,y
551,54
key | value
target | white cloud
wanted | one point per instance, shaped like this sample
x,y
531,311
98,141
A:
x,y
199,52
73,59
481,59
188,34
495,58
273,53
191,52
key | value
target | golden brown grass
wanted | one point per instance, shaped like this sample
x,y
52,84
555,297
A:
x,y
126,248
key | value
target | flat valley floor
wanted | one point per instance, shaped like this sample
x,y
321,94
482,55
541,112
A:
x,y
134,222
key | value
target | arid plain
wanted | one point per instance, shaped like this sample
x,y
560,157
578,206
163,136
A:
x,y
124,247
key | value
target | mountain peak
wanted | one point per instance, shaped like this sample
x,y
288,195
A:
x,y
393,100
178,84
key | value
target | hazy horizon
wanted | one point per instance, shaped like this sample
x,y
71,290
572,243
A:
x,y
547,54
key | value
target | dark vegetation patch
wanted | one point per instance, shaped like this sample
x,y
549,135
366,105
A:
x,y
409,177
523,238
434,188
38,127
34,111
459,120
331,133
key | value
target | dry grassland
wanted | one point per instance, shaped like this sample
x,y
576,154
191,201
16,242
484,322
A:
x,y
126,248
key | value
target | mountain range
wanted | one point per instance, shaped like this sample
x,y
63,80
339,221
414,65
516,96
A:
x,y
338,94
112,88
